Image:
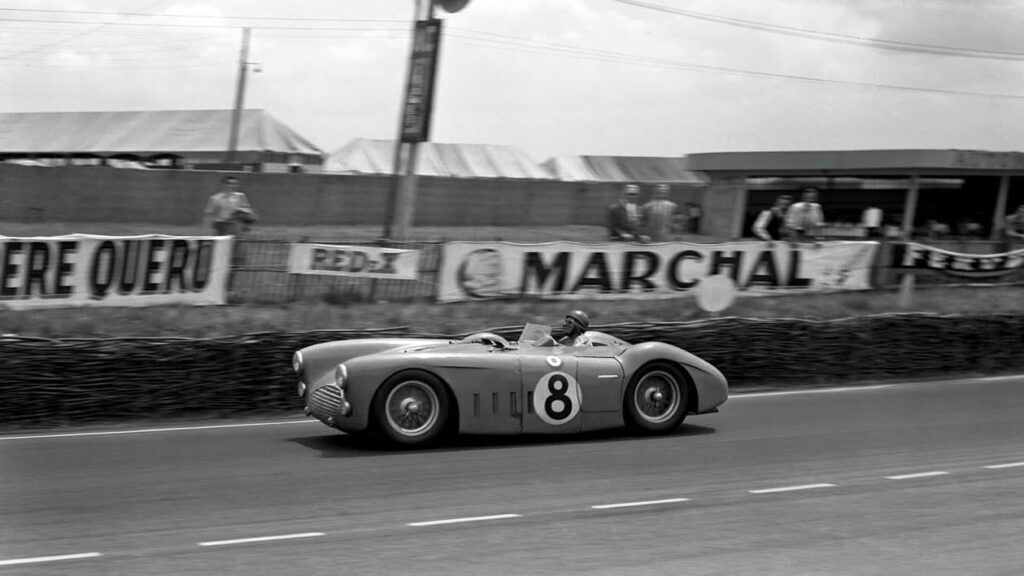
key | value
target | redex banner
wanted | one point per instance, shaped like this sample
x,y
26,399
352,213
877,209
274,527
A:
x,y
364,261
914,256
474,270
88,270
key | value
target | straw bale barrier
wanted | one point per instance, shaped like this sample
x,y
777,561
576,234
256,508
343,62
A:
x,y
50,382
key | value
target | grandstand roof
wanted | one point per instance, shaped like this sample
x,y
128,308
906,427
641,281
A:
x,y
369,156
146,133
623,169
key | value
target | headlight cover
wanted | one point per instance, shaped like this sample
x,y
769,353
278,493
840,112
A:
x,y
341,376
297,362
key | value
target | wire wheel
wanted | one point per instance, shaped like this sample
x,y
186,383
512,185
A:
x,y
412,408
657,396
656,399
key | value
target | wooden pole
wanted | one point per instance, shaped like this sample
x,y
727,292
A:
x,y
236,113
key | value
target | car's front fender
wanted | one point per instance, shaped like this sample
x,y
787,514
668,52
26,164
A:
x,y
709,383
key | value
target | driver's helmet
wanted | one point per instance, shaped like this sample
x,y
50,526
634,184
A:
x,y
580,318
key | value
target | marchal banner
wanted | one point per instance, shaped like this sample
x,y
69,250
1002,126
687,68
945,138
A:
x,y
89,270
363,261
476,270
914,256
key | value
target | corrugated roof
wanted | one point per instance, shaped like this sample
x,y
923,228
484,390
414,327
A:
x,y
146,133
623,169
368,156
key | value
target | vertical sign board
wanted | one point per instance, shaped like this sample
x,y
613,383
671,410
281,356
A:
x,y
419,91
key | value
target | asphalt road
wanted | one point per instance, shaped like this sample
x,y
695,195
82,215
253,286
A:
x,y
920,478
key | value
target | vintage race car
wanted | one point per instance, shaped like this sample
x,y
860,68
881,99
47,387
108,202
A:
x,y
410,390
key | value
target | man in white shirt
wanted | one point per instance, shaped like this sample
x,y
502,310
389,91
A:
x,y
661,215
804,218
871,220
229,210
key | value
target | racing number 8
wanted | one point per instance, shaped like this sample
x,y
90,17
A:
x,y
556,398
558,386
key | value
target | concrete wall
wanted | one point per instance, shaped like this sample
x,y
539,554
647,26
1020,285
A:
x,y
101,194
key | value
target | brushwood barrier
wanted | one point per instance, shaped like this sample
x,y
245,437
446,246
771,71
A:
x,y
76,381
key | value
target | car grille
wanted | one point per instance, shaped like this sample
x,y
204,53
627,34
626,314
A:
x,y
325,401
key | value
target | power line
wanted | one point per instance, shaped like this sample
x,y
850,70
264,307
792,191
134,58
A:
x,y
514,42
65,40
935,49
181,25
204,16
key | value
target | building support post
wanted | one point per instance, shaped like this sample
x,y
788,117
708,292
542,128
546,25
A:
x,y
740,209
999,214
909,210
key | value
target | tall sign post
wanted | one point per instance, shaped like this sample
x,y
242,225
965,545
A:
x,y
414,122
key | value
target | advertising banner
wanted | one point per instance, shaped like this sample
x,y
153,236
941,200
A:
x,y
362,261
419,88
476,270
914,256
88,270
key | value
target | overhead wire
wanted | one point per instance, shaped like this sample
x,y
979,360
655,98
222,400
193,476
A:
x,y
511,42
606,55
935,49
68,39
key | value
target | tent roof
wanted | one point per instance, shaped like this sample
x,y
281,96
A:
x,y
367,156
623,169
146,133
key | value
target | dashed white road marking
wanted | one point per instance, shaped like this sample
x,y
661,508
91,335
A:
x,y
645,503
811,391
791,488
262,539
1007,465
917,475
49,558
152,430
458,520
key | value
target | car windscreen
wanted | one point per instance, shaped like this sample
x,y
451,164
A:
x,y
532,332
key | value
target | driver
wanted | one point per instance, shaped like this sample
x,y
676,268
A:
x,y
575,326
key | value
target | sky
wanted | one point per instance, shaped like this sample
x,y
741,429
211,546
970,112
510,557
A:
x,y
553,77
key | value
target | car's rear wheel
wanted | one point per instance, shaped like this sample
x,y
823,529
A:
x,y
656,399
411,408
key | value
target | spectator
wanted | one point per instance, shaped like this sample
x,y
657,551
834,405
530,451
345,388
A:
x,y
871,221
937,229
624,215
661,215
229,210
771,222
969,227
693,216
804,218
1015,227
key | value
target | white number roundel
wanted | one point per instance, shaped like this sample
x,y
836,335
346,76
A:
x,y
557,398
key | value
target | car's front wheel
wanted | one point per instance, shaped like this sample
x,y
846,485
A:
x,y
656,399
411,408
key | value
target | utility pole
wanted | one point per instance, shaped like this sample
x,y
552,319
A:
x,y
414,120
236,114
